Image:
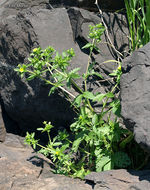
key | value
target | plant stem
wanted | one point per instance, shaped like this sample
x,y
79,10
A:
x,y
107,33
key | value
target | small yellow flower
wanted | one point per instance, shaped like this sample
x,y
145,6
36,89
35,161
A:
x,y
119,68
35,50
80,117
21,69
56,152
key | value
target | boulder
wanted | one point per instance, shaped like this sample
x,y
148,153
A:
x,y
120,179
26,25
21,169
135,95
2,127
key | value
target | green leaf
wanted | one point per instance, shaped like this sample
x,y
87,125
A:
x,y
98,152
78,140
97,49
40,129
31,77
88,45
99,97
107,166
121,160
95,119
76,144
116,107
52,90
95,129
110,95
78,100
88,95
44,151
97,74
64,147
75,70
57,144
102,162
104,130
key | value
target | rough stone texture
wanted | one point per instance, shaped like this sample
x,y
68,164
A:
x,y
25,25
22,169
135,95
120,180
2,127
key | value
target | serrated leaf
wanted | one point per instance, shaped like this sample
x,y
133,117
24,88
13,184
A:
x,y
99,97
95,119
98,152
94,129
116,108
76,144
104,130
89,95
88,112
110,95
75,70
78,100
64,147
102,162
64,54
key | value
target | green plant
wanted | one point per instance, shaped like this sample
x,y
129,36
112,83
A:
x,y
138,14
96,141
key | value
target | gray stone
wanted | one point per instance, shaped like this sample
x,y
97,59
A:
x,y
143,185
135,95
2,127
21,169
120,179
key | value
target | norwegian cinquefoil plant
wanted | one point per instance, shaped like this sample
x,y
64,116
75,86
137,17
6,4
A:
x,y
96,142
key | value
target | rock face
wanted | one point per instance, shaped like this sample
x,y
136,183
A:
x,y
21,169
2,127
135,95
25,25
109,5
120,179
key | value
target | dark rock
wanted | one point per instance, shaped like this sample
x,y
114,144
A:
x,y
109,5
143,185
2,127
120,179
36,24
22,169
135,95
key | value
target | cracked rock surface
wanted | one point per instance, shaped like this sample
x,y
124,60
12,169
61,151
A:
x,y
22,169
120,180
135,95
